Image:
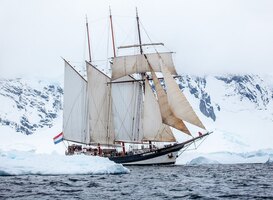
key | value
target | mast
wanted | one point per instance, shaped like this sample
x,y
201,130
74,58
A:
x,y
139,36
142,74
112,31
89,48
140,47
114,52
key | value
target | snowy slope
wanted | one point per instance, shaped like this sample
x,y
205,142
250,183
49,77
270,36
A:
x,y
238,108
39,142
27,105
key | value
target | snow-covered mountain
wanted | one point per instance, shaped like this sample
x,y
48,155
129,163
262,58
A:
x,y
238,108
27,106
242,91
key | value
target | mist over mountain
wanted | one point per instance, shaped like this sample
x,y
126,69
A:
x,y
238,108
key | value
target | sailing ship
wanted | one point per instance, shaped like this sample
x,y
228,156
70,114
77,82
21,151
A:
x,y
128,116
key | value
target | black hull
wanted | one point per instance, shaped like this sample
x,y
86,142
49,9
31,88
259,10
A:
x,y
140,159
163,156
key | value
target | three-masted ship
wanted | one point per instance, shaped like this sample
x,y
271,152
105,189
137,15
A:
x,y
127,116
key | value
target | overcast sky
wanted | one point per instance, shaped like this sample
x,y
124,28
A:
x,y
208,36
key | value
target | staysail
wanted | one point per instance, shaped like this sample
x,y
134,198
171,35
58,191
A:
x,y
126,65
99,104
153,128
126,104
75,106
177,100
168,116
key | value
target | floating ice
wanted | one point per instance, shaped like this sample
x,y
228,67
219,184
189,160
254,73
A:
x,y
30,163
260,156
202,161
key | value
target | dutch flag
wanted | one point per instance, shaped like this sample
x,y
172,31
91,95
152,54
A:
x,y
58,138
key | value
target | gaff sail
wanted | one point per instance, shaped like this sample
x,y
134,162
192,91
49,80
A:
x,y
99,105
75,106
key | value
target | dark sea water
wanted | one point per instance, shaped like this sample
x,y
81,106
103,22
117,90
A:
x,y
244,181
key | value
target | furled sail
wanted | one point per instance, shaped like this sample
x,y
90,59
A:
x,y
168,116
153,128
75,106
126,105
99,104
177,100
126,65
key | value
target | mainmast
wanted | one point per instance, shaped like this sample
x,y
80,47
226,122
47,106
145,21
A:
x,y
140,47
142,74
89,46
139,36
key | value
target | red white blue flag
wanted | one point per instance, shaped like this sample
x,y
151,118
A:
x,y
58,138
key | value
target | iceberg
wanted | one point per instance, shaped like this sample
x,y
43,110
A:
x,y
31,163
225,157
202,161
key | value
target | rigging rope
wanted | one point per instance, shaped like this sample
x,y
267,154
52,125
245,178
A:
x,y
142,26
189,144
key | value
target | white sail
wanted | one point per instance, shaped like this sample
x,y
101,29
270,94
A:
x,y
165,134
99,104
126,104
75,106
177,100
126,65
168,116
153,128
